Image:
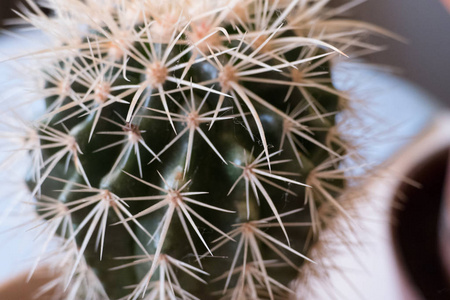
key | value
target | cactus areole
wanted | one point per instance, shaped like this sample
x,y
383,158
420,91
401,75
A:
x,y
187,147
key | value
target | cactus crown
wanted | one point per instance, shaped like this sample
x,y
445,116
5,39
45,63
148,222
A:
x,y
188,149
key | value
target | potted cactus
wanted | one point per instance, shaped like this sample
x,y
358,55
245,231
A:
x,y
188,149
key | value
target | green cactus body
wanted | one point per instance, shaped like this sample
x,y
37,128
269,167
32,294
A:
x,y
188,144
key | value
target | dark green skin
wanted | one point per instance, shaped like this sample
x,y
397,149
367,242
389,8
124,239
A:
x,y
207,172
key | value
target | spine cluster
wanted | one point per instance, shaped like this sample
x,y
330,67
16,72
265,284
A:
x,y
188,149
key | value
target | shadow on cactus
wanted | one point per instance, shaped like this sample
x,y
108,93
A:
x,y
188,147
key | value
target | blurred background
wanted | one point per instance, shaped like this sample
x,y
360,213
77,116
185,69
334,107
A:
x,y
425,58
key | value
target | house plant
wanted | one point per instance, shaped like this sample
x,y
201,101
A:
x,y
188,149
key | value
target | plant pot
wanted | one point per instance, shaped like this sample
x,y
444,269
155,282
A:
x,y
420,217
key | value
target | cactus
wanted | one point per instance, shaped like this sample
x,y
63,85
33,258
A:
x,y
188,149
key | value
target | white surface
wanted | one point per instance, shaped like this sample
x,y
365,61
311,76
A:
x,y
17,246
404,111
396,112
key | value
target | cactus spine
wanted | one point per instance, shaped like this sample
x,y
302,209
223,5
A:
x,y
188,148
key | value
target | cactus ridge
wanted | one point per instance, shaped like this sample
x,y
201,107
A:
x,y
188,149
